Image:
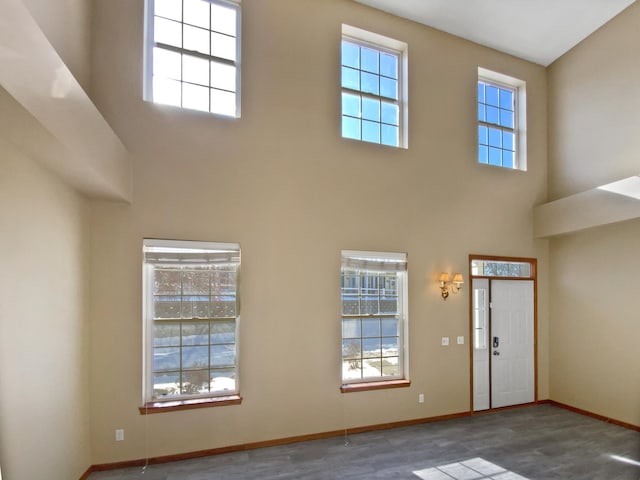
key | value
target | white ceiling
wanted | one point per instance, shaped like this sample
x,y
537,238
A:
x,y
537,30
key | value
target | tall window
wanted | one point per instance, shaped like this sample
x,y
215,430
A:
x,y
501,120
190,319
374,316
373,88
193,55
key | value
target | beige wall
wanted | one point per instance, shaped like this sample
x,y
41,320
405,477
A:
x,y
594,328
594,100
594,117
67,25
282,182
44,407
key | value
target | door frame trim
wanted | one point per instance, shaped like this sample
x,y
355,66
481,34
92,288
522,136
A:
x,y
534,278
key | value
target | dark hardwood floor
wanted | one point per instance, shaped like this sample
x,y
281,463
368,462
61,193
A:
x,y
541,442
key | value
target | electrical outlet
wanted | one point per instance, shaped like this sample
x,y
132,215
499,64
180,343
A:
x,y
445,341
119,434
421,398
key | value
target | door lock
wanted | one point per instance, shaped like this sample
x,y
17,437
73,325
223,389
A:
x,y
495,352
496,342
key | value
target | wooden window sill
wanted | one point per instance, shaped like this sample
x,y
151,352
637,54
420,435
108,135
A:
x,y
190,404
363,387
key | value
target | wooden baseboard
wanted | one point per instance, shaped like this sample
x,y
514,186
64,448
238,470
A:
x,y
86,474
603,418
336,433
510,407
268,443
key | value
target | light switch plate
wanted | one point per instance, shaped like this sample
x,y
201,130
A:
x,y
445,341
461,340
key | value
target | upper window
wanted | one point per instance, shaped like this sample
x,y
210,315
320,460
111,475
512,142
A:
x,y
501,120
373,88
190,319
374,316
193,55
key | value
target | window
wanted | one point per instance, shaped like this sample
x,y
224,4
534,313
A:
x,y
190,320
501,268
480,315
374,91
374,316
193,55
501,120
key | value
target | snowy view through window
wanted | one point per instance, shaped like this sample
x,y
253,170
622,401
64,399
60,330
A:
x,y
371,324
194,330
191,310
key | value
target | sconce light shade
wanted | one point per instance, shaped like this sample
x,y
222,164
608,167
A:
x,y
447,286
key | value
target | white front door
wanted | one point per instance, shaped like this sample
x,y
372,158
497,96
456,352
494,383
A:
x,y
503,363
512,370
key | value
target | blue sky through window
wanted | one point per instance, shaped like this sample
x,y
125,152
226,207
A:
x,y
370,94
496,125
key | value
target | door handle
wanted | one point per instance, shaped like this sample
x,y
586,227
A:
x,y
496,342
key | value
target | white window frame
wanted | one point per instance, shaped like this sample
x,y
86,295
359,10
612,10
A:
x,y
150,44
519,87
386,45
381,262
172,249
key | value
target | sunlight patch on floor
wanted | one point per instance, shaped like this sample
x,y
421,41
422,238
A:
x,y
472,469
625,460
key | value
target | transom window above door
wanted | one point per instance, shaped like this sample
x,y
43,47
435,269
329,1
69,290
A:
x,y
501,268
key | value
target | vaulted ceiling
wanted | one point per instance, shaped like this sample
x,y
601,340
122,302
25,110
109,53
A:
x,y
537,30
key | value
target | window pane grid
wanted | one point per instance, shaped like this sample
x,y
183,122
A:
x,y
182,355
371,325
370,74
213,42
496,125
354,109
205,85
381,123
194,330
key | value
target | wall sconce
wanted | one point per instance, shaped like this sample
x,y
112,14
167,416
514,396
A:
x,y
447,286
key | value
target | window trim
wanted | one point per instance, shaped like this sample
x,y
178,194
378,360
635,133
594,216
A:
x,y
150,404
391,46
518,87
149,44
150,408
352,259
380,385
